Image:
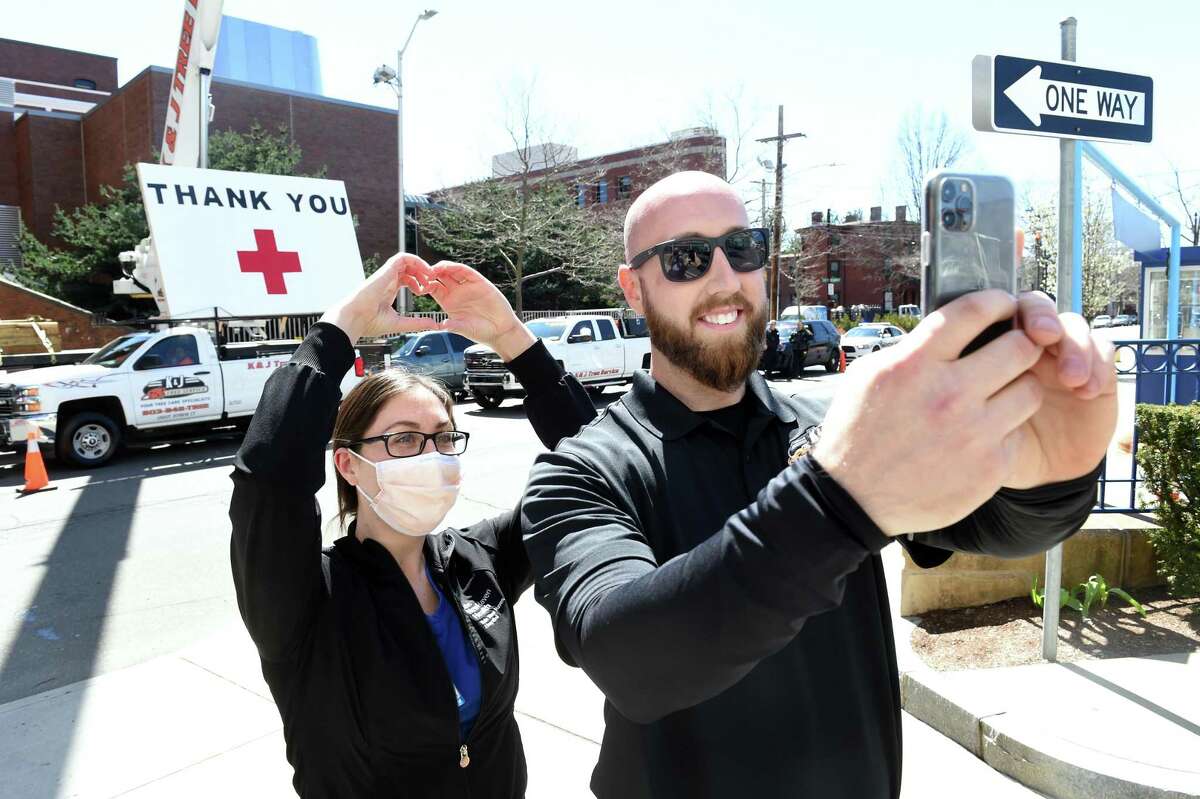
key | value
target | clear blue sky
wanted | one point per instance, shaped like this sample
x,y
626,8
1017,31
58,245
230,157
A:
x,y
620,73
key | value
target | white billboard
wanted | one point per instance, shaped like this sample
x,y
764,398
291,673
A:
x,y
249,244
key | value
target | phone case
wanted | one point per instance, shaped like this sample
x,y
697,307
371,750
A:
x,y
955,262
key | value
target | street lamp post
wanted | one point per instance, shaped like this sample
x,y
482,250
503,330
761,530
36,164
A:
x,y
394,78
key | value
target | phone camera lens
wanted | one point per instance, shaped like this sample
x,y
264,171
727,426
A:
x,y
949,219
948,191
964,218
963,203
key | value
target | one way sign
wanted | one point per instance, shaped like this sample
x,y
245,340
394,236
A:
x,y
1060,98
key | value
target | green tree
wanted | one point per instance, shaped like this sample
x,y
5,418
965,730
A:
x,y
518,231
42,268
524,229
258,150
93,235
1109,272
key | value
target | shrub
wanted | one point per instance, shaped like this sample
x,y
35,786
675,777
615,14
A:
x,y
905,323
1167,453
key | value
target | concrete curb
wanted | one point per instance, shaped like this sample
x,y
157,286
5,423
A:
x,y
1018,743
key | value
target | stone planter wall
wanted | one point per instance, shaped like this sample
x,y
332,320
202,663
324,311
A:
x,y
1113,545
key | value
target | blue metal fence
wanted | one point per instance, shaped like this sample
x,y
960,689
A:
x,y
1165,371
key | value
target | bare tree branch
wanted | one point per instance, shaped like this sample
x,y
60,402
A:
x,y
1191,218
926,141
525,222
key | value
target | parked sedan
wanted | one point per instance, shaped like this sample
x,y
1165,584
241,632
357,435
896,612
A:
x,y
869,337
1103,320
1124,320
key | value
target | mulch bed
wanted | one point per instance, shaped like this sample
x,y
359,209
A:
x,y
1009,633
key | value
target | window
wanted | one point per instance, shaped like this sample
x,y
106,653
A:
x,y
606,330
835,268
85,83
459,343
435,343
602,192
114,353
624,187
580,327
580,198
548,330
595,192
171,351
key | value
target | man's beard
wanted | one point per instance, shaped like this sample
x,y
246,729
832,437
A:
x,y
722,366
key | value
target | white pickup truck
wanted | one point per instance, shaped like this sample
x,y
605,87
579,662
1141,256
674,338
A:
x,y
598,350
148,385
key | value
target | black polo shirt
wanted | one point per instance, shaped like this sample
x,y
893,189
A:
x,y
732,608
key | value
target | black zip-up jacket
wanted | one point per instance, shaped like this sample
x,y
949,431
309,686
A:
x,y
367,703
732,607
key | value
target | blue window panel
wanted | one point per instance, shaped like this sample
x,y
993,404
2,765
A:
x,y
258,55
580,196
269,56
308,63
282,74
603,191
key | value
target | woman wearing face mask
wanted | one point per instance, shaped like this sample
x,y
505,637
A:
x,y
392,656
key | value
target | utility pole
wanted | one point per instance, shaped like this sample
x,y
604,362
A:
x,y
773,280
762,208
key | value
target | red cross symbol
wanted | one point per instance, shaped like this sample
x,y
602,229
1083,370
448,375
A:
x,y
268,260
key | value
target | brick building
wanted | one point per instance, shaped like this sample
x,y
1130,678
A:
x,y
67,128
857,263
76,325
613,177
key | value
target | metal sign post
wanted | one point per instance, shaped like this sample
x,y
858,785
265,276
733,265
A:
x,y
1069,299
1070,102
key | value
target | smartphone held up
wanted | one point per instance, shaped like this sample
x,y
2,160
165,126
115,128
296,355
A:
x,y
968,242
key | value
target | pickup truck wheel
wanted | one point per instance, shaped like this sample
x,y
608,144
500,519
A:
x,y
88,440
488,401
832,364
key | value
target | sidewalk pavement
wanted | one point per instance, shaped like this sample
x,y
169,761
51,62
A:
x,y
201,723
1125,727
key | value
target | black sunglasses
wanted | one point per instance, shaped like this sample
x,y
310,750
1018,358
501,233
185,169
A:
x,y
408,443
690,258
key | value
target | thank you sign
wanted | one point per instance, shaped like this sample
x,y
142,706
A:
x,y
249,244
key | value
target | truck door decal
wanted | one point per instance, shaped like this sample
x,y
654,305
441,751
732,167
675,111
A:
x,y
174,397
174,386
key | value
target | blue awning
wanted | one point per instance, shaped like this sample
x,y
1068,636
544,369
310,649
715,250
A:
x,y
1188,256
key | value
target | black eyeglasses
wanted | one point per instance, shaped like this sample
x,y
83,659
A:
x,y
408,443
690,258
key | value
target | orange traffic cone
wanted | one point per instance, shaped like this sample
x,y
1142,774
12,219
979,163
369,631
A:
x,y
36,478
842,361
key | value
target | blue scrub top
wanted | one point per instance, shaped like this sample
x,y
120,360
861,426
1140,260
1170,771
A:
x,y
460,659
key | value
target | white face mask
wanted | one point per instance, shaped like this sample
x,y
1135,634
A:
x,y
415,493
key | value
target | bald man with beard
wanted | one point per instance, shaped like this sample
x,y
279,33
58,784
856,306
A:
x,y
708,549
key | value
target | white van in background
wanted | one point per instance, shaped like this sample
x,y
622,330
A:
x,y
809,313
